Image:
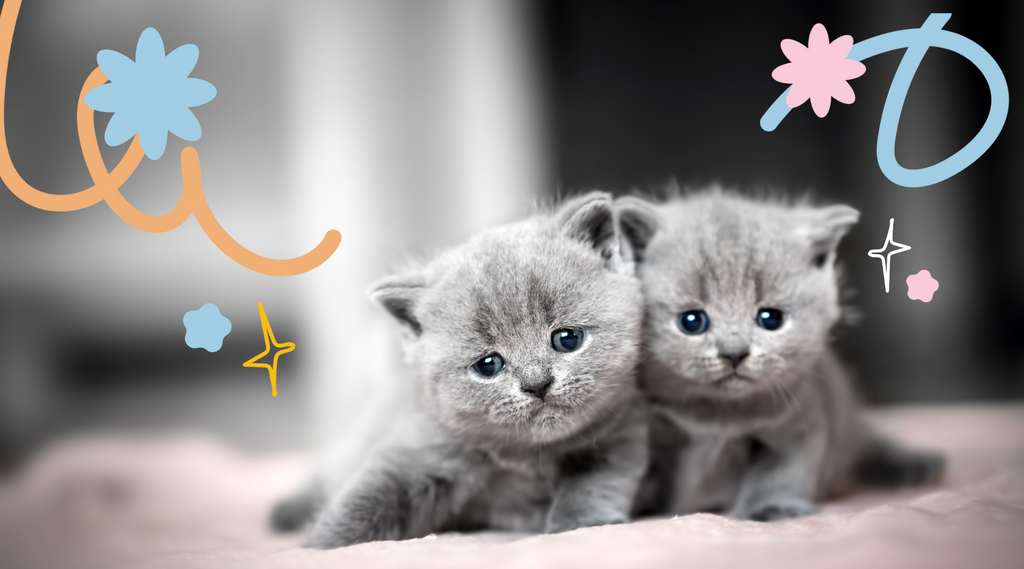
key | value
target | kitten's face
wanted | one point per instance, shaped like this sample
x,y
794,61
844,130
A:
x,y
741,296
526,333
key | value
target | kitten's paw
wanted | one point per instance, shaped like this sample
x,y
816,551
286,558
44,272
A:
x,y
292,513
317,538
891,466
359,518
330,534
571,523
782,509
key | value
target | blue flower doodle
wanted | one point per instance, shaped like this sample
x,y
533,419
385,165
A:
x,y
206,328
151,95
917,41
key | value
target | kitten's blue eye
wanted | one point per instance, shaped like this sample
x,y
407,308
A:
x,y
489,366
567,339
693,322
770,318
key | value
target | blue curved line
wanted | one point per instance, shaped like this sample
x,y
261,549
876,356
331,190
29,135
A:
x,y
917,41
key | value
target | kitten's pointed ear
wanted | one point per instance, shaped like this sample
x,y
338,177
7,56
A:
x,y
826,228
400,296
638,222
591,219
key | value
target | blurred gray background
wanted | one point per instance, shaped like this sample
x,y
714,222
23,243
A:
x,y
409,125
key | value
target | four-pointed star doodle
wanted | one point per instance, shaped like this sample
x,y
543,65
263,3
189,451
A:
x,y
886,258
268,338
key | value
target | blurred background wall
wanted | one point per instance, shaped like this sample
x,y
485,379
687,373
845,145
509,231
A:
x,y
409,125
645,92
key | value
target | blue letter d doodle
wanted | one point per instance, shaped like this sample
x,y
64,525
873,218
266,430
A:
x,y
917,41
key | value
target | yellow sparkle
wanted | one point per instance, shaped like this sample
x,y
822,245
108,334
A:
x,y
268,338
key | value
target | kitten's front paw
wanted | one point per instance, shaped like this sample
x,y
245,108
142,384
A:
x,y
375,513
292,513
319,538
928,468
895,467
782,509
346,528
570,523
331,534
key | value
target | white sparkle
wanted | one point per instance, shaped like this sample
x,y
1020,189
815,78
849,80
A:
x,y
886,258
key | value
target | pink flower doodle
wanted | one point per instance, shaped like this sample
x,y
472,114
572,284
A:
x,y
818,72
921,286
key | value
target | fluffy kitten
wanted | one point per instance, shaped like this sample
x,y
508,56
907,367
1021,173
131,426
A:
x,y
754,417
525,342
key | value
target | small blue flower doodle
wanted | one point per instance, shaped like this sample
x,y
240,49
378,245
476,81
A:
x,y
206,328
151,95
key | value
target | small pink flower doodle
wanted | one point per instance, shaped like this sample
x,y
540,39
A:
x,y
819,71
921,286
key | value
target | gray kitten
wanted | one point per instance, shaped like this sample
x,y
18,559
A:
x,y
754,416
525,342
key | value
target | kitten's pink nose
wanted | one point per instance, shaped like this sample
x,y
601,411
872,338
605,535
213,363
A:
x,y
536,388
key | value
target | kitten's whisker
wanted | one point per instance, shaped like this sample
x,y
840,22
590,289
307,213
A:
x,y
793,396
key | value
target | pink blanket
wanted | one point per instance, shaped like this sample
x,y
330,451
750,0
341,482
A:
x,y
190,502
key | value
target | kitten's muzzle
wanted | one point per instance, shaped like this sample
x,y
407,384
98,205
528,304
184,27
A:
x,y
735,355
537,387
733,348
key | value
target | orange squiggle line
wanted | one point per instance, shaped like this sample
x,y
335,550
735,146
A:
x,y
111,181
107,184
190,172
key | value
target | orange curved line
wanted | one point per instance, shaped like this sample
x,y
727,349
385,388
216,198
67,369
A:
x,y
112,181
91,148
8,172
152,223
86,126
106,184
191,173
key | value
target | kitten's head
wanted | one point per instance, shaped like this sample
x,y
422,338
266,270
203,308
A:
x,y
527,332
740,294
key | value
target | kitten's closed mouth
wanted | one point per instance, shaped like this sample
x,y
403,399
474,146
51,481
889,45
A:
x,y
551,411
550,405
732,380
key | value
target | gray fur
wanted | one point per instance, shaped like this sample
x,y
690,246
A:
x,y
754,423
486,452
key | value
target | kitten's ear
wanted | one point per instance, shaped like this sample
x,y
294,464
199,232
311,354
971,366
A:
x,y
638,222
400,296
826,228
590,218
